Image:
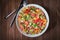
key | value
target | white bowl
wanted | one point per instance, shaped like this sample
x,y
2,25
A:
x,y
47,17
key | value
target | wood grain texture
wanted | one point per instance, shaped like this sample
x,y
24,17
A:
x,y
8,33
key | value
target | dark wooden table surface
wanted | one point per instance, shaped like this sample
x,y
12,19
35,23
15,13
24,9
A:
x,y
11,33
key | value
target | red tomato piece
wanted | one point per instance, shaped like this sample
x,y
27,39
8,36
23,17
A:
x,y
33,15
37,20
19,16
37,16
36,28
26,22
27,10
40,24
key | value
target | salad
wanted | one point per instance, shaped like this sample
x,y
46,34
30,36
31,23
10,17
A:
x,y
31,20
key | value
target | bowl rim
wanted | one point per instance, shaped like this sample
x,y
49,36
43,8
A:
x,y
47,17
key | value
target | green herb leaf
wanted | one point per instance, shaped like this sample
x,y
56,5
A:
x,y
34,25
33,9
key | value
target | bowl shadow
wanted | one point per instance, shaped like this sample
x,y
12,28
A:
x,y
52,18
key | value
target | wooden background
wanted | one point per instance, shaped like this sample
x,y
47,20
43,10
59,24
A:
x,y
11,33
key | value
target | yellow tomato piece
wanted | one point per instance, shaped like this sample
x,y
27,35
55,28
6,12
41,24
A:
x,y
34,18
37,10
36,31
44,21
